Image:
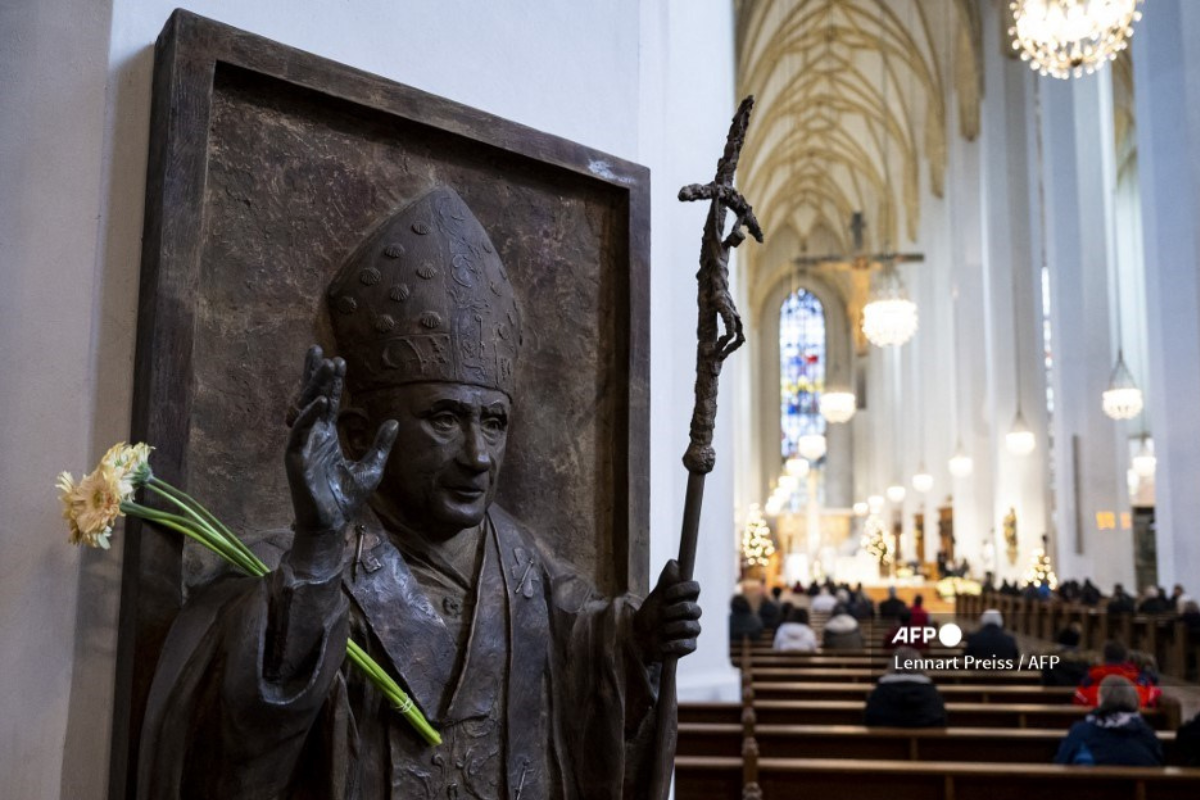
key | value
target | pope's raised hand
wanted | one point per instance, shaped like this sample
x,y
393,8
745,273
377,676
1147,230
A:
x,y
327,489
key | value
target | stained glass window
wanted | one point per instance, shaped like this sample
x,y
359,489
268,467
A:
x,y
801,368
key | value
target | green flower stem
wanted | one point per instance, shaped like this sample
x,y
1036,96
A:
x,y
398,698
182,525
187,527
202,526
196,519
197,507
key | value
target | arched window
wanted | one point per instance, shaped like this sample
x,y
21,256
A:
x,y
801,368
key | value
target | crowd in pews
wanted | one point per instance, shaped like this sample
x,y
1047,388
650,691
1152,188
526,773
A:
x,y
895,721
1153,601
1163,630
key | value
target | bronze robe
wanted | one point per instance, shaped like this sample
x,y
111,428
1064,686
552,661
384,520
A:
x,y
547,700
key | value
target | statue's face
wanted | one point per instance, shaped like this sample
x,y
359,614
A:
x,y
442,473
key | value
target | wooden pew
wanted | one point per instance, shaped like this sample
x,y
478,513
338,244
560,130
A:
x,y
860,675
959,715
961,693
829,661
1011,745
1162,636
705,777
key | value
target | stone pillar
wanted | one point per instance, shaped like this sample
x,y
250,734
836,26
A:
x,y
1167,92
998,323
1080,176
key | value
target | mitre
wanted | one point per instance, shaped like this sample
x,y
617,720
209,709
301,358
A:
x,y
426,298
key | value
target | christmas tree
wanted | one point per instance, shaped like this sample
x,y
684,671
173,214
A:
x,y
875,540
1041,570
757,547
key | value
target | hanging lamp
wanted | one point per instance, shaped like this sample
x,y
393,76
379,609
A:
x,y
1020,440
838,405
812,446
1145,464
961,465
1122,399
796,467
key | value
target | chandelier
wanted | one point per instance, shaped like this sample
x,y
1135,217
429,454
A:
x,y
922,481
838,406
811,446
889,317
796,467
1122,399
1065,38
896,494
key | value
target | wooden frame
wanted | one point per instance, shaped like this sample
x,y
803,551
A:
x,y
193,56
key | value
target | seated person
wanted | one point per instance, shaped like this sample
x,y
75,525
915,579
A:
x,y
861,607
1073,665
824,602
905,697
1153,602
742,620
1116,662
1114,734
768,610
794,635
920,617
1147,665
914,641
1089,593
842,595
842,633
893,607
990,641
1190,617
1187,743
1121,603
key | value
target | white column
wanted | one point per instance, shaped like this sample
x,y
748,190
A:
x,y
1080,178
1167,91
686,104
1003,325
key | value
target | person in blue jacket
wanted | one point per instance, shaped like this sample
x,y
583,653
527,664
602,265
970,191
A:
x,y
1115,734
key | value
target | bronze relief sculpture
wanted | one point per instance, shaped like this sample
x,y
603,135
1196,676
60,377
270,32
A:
x,y
449,398
540,687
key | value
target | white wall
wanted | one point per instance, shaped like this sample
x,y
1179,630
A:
x,y
687,104
53,70
645,81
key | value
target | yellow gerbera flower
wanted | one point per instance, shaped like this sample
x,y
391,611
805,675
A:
x,y
92,506
130,464
66,493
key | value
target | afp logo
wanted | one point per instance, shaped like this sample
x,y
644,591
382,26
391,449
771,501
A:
x,y
949,635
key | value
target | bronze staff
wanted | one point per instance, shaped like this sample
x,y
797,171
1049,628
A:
x,y
712,349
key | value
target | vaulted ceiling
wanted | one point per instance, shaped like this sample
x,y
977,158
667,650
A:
x,y
852,111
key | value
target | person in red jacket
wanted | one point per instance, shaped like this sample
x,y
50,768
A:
x,y
1116,662
920,617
